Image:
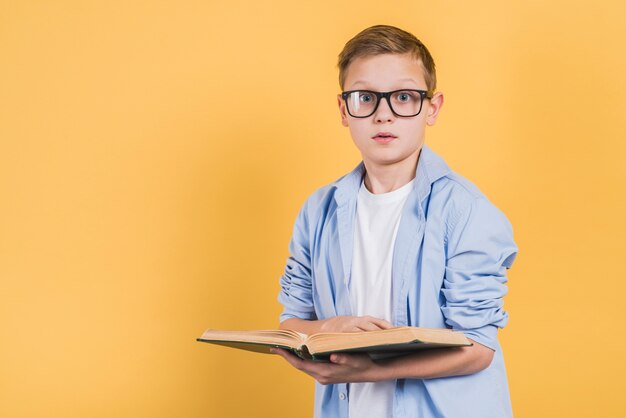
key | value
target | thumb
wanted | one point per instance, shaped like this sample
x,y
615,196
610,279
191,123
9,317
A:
x,y
337,358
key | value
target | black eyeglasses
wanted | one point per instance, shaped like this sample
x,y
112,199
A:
x,y
403,103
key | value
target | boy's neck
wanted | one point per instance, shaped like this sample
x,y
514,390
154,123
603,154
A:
x,y
387,178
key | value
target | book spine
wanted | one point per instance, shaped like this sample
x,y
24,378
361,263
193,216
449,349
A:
x,y
304,353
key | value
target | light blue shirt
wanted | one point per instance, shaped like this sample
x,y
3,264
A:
x,y
448,271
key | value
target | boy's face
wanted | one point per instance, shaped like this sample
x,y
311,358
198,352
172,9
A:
x,y
383,73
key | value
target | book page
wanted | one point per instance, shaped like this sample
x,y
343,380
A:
x,y
280,337
395,339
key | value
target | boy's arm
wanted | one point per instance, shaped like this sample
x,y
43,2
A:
x,y
296,290
296,294
350,368
480,248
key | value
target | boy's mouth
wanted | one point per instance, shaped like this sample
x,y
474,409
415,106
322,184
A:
x,y
384,137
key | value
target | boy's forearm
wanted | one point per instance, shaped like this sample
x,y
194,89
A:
x,y
426,364
350,368
435,363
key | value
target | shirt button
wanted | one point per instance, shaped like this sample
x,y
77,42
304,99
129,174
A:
x,y
342,396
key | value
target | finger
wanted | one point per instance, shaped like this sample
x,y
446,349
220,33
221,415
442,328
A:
x,y
295,361
276,350
368,326
316,370
338,358
380,323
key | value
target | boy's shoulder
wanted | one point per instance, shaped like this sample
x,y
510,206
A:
x,y
457,190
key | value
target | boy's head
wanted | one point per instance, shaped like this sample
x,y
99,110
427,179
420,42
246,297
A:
x,y
388,96
383,39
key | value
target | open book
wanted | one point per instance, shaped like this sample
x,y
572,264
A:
x,y
319,346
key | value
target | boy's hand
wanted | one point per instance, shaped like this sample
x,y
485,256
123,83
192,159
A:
x,y
335,324
353,324
343,368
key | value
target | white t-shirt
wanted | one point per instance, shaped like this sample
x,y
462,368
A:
x,y
375,229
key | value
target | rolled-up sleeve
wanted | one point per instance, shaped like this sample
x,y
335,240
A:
x,y
295,284
480,250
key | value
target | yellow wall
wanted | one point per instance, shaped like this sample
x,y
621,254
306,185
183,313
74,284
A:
x,y
153,157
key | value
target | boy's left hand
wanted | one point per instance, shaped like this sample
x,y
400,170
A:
x,y
343,368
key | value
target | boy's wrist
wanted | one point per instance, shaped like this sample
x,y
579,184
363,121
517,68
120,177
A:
x,y
382,370
389,369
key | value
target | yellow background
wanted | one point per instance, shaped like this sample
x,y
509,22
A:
x,y
154,155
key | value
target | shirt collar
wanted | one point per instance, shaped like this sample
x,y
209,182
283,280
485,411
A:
x,y
430,168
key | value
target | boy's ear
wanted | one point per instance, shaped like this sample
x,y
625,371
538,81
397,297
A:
x,y
433,107
342,110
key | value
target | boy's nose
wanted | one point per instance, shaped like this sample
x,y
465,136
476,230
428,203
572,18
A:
x,y
383,112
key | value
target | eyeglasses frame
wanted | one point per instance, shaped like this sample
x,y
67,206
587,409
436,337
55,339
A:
x,y
386,95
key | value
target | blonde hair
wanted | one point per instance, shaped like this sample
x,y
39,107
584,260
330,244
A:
x,y
384,39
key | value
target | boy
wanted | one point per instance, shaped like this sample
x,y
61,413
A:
x,y
401,240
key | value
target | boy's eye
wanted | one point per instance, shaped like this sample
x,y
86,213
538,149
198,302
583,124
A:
x,y
404,96
366,97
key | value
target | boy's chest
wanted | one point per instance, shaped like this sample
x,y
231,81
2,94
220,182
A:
x,y
418,264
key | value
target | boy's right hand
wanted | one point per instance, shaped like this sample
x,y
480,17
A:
x,y
353,324
336,324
